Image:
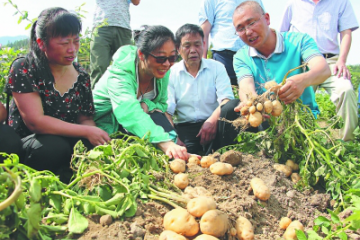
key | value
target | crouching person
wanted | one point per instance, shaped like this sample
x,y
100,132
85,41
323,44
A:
x,y
197,89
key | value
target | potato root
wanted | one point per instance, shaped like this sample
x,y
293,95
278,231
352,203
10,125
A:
x,y
244,229
284,222
200,205
178,166
207,161
290,233
181,180
283,168
220,168
261,191
181,221
170,235
214,223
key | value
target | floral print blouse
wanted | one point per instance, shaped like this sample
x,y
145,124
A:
x,y
26,78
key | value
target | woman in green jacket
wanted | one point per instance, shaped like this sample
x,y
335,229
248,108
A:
x,y
131,95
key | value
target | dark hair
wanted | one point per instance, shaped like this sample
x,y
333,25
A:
x,y
187,29
52,22
153,37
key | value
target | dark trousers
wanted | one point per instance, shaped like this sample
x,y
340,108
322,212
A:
x,y
10,142
51,152
226,58
159,119
187,133
226,133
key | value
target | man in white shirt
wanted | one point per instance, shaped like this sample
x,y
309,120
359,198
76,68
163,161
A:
x,y
197,89
323,20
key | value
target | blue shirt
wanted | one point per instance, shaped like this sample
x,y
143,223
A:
x,y
322,21
292,49
219,13
194,99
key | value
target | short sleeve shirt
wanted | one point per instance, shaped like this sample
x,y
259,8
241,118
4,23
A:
x,y
25,79
115,12
292,49
219,13
322,21
195,98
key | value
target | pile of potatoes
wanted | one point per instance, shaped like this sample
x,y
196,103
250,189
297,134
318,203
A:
x,y
289,169
215,166
290,228
203,220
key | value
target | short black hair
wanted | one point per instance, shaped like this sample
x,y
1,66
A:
x,y
187,29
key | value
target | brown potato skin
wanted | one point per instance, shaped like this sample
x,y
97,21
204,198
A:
x,y
200,205
178,166
290,233
170,235
214,223
244,229
179,220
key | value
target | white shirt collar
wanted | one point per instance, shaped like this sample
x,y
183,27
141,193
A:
x,y
203,65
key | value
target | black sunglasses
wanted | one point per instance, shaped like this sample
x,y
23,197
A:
x,y
162,59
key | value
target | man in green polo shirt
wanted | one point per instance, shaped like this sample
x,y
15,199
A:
x,y
269,55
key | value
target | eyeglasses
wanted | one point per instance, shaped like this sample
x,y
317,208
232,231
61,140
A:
x,y
162,59
250,26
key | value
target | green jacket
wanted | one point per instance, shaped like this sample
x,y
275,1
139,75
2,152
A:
x,y
116,103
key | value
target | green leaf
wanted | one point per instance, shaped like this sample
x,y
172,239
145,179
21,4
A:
x,y
342,235
35,190
77,222
325,230
322,221
300,234
312,235
34,219
334,217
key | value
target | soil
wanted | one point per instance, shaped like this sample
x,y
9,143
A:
x,y
234,197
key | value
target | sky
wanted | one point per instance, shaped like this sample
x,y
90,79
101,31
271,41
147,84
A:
x,y
170,13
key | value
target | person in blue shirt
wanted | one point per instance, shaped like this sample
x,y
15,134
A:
x,y
269,55
215,19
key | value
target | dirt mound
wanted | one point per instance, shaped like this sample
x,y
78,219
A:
x,y
233,196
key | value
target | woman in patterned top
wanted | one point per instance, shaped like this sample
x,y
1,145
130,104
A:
x,y
52,105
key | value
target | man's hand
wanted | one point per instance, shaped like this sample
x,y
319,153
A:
x,y
239,107
292,89
340,69
207,132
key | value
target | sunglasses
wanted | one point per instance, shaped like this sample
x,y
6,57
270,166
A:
x,y
162,59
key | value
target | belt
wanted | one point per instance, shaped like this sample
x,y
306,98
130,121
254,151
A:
x,y
328,55
184,124
225,51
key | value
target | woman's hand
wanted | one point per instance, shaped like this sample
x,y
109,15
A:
x,y
144,107
97,136
173,150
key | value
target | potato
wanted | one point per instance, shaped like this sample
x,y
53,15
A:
x,y
295,177
244,229
259,107
268,106
220,168
200,205
194,160
232,157
249,103
255,119
207,161
277,108
170,235
252,109
178,166
270,84
290,163
261,191
191,192
214,223
290,233
244,111
284,222
181,221
283,168
233,231
181,180
205,237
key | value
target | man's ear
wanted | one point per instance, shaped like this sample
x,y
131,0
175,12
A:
x,y
141,55
41,44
